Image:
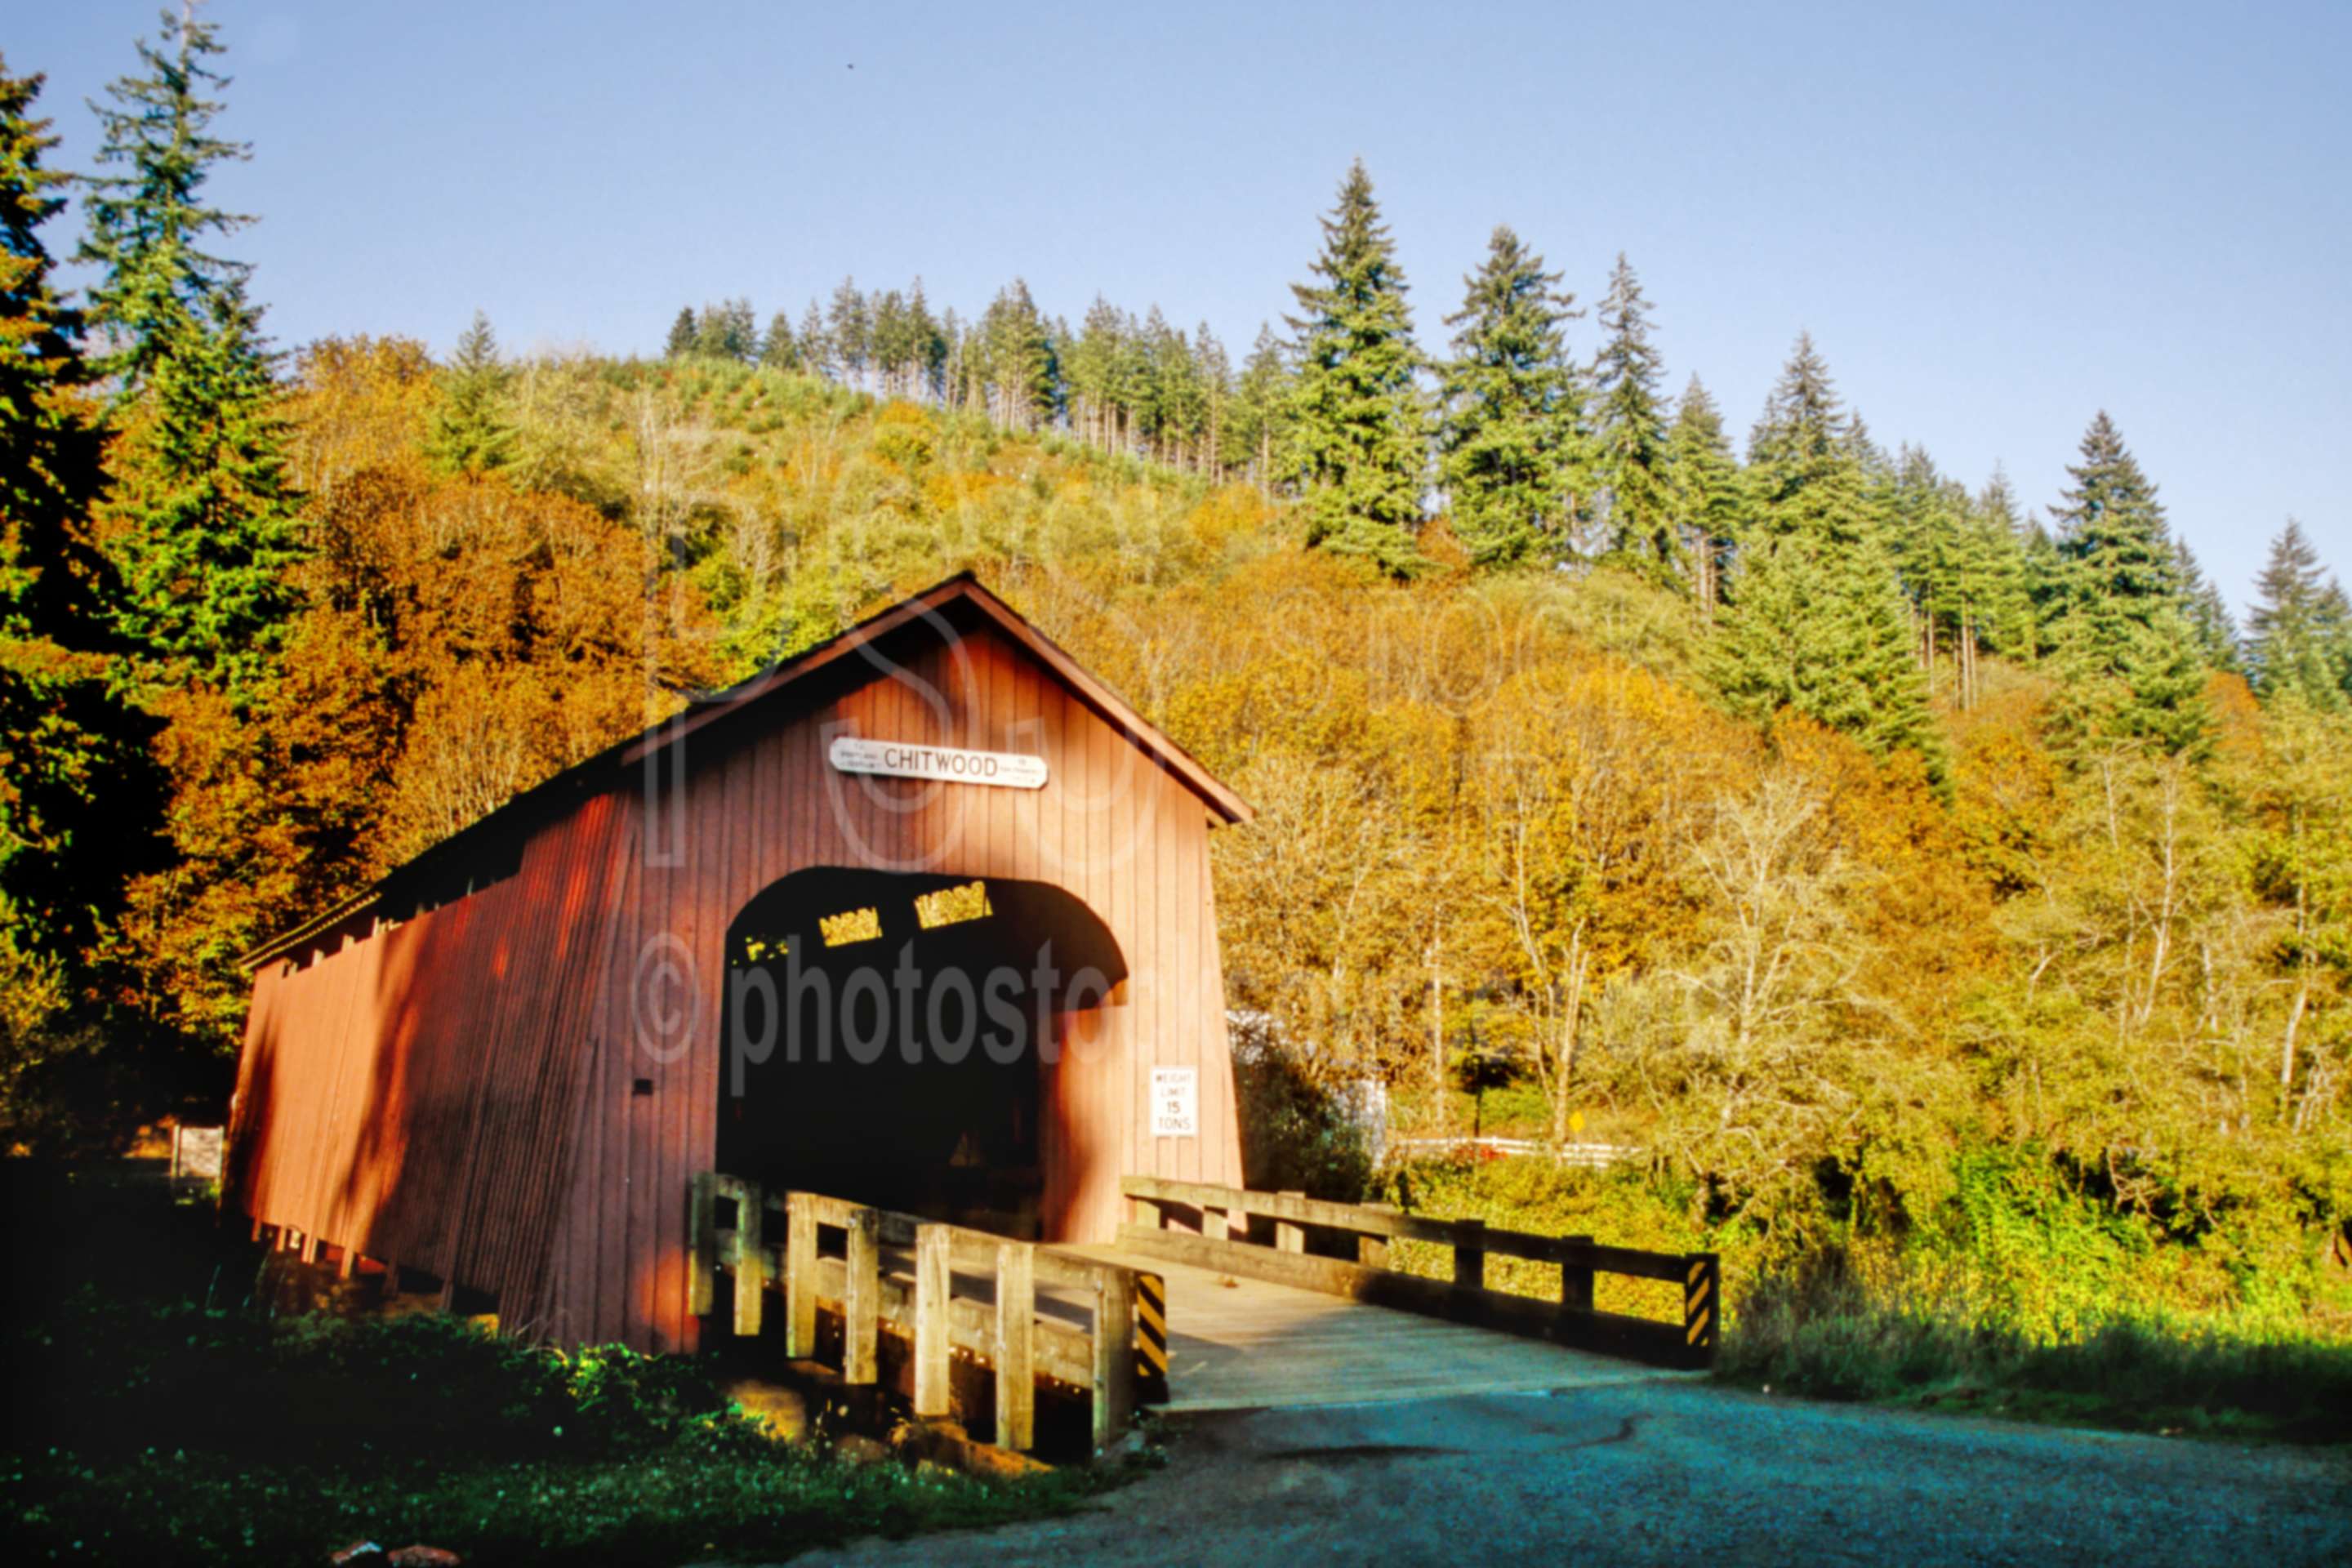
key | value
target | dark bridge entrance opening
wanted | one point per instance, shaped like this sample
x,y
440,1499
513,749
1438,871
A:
x,y
886,1035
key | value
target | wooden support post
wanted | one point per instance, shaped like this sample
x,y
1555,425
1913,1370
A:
x,y
348,1264
1212,1224
932,1393
1470,1254
800,1276
1701,1308
257,1230
750,1259
1114,1346
861,1327
702,1226
447,1301
1016,1318
1289,1238
1372,1251
1576,1282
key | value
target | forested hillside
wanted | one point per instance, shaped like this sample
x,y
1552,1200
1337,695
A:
x,y
1888,860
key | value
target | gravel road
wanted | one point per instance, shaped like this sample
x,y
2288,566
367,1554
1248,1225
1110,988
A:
x,y
1684,1473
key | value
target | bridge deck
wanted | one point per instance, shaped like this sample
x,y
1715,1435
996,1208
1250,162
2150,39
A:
x,y
1236,1345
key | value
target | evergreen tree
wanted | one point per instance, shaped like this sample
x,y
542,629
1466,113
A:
x,y
817,343
75,798
682,333
1357,427
778,350
728,330
2289,646
2115,624
2002,601
1217,388
1822,629
1806,461
202,522
1511,455
470,432
1022,366
848,331
204,526
1817,619
147,224
1261,407
1632,435
1705,490
2208,615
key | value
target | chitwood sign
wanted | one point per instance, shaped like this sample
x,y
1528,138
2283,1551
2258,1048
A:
x,y
898,759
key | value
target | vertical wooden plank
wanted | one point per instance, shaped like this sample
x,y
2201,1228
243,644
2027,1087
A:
x,y
800,1276
862,1310
1016,1315
931,1280
1114,1357
1289,1238
702,1203
1372,1251
1470,1254
751,1258
1212,1224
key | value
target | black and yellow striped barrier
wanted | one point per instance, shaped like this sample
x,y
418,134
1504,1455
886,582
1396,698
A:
x,y
1150,1340
1701,1309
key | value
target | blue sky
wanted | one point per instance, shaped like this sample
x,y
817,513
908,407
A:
x,y
1994,219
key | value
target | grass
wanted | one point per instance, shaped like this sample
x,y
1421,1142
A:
x,y
147,1424
1827,1336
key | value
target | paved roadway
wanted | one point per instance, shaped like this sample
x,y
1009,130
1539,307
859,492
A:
x,y
1669,1471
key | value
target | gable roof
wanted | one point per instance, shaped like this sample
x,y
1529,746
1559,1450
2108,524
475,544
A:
x,y
957,598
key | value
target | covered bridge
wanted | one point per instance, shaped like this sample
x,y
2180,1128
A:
x,y
922,917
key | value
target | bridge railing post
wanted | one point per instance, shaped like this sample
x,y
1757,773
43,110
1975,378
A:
x,y
861,1329
1470,1254
800,1275
1576,1280
1016,1321
1114,1352
933,1393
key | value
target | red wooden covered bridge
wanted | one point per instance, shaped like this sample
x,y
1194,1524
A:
x,y
919,922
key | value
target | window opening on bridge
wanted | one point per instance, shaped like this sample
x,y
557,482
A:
x,y
949,906
850,925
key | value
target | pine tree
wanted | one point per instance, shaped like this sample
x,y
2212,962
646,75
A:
x,y
1261,407
848,331
470,431
2003,599
1705,490
2115,624
75,803
1511,448
2289,642
1633,468
202,522
817,343
778,350
1807,462
2208,615
1217,388
1817,621
1358,427
147,224
1822,629
682,333
1022,366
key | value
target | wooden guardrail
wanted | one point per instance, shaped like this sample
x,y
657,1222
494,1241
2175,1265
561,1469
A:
x,y
857,1279
1219,1222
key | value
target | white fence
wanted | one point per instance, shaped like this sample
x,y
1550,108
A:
x,y
1585,1156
